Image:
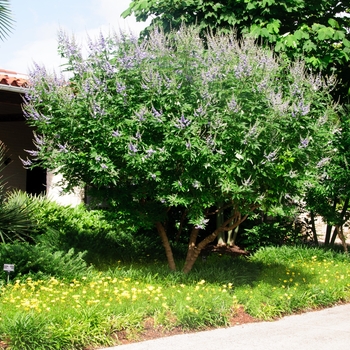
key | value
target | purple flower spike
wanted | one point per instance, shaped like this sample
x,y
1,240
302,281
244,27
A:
x,y
271,156
63,148
183,122
32,153
26,162
233,105
156,113
132,147
150,152
120,88
304,143
322,162
141,114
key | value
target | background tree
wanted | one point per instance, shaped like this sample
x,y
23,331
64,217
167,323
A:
x,y
329,195
310,30
5,19
168,121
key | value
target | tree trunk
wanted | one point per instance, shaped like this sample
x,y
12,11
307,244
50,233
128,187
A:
x,y
166,245
231,239
313,227
329,227
328,234
342,216
334,236
342,238
194,250
219,222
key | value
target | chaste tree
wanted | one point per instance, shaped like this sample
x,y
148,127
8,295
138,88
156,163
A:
x,y
175,120
314,31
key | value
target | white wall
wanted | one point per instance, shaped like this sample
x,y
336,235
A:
x,y
54,191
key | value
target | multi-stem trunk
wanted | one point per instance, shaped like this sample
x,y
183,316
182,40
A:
x,y
194,250
232,236
166,245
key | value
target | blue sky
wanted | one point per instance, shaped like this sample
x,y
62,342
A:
x,y
34,37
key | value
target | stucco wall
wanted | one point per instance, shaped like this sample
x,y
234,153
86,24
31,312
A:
x,y
54,192
16,136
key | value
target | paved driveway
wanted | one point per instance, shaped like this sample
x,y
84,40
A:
x,y
328,329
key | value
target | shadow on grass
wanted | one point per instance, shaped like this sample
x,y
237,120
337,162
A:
x,y
220,270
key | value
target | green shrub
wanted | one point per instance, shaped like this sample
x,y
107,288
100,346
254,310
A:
x,y
40,260
267,234
97,232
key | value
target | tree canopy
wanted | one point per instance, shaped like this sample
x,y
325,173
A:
x,y
315,31
175,121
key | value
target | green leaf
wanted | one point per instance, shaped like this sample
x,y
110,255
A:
x,y
301,34
314,61
126,13
346,42
279,46
290,41
264,32
309,46
333,23
273,27
251,5
325,33
140,5
339,35
255,30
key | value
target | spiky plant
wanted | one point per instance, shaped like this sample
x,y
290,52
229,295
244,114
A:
x,y
16,210
5,19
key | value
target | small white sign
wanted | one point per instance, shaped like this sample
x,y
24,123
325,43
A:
x,y
9,267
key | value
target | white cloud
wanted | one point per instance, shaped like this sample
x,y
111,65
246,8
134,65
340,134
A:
x,y
111,11
43,52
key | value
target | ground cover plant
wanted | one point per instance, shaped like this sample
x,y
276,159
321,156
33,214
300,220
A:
x,y
104,308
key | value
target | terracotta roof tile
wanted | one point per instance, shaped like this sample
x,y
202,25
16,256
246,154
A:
x,y
13,79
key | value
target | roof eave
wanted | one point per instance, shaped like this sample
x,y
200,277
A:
x,y
18,89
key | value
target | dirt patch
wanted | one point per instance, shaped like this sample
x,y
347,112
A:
x,y
151,331
233,251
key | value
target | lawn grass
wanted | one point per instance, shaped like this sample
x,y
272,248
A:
x,y
93,310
